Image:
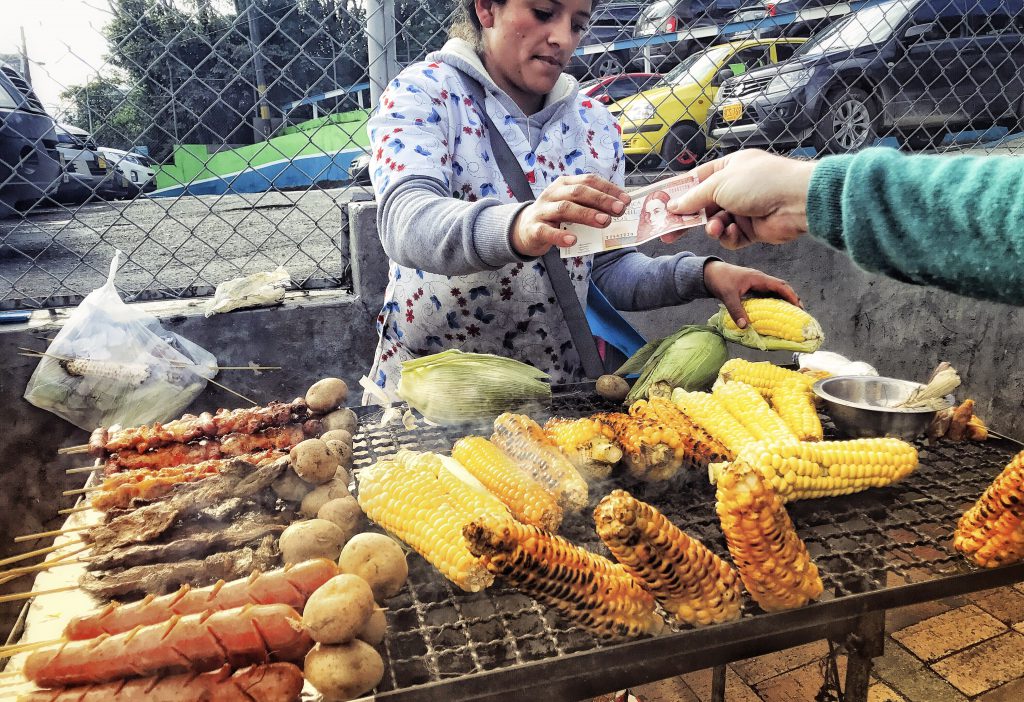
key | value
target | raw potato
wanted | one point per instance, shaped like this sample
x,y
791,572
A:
x,y
377,559
341,419
312,462
312,538
327,394
343,512
338,610
345,671
290,487
376,627
323,494
612,387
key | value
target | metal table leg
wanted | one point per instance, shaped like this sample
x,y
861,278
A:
x,y
718,683
865,642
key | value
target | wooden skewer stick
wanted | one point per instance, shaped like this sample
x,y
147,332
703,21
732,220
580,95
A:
x,y
83,469
74,510
35,593
37,552
8,651
14,573
81,491
43,534
224,387
68,450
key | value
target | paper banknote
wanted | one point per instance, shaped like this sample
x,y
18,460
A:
x,y
646,217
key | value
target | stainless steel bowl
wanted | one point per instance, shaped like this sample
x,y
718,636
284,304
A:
x,y
864,405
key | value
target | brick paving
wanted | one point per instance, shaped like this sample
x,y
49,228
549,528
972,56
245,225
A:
x,y
962,649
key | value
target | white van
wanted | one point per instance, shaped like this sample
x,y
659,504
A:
x,y
137,169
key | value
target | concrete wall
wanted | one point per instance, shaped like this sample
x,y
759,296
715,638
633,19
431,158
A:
x,y
901,329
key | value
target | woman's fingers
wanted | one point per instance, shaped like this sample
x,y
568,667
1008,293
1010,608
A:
x,y
586,195
594,182
566,211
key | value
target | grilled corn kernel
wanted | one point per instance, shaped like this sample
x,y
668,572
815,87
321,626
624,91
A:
x,y
708,412
795,404
772,560
991,533
690,581
763,376
589,590
588,443
699,447
527,499
777,318
464,494
752,411
523,439
651,450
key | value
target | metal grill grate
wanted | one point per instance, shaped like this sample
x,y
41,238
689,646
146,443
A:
x,y
867,543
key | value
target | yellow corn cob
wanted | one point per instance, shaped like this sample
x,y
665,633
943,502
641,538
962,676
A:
x,y
812,469
771,316
464,491
527,499
763,376
690,581
991,533
651,451
588,443
409,503
795,404
700,447
705,409
773,562
752,411
524,440
590,590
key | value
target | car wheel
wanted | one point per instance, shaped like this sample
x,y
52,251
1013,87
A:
x,y
684,147
605,65
849,122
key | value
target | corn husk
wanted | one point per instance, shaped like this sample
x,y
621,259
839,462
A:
x,y
453,387
689,359
751,339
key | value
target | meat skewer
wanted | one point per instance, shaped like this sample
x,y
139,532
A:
x,y
273,682
291,585
196,643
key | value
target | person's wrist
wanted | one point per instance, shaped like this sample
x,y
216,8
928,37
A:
x,y
798,182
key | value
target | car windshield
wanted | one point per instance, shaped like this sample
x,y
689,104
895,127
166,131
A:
x,y
696,66
872,25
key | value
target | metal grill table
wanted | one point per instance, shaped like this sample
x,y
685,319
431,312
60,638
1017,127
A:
x,y
875,550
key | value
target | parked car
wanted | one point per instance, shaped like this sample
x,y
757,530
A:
x,y
775,18
137,170
613,88
668,120
86,174
913,69
29,164
608,23
671,16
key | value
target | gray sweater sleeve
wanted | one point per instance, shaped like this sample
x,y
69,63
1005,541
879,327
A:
x,y
633,281
422,226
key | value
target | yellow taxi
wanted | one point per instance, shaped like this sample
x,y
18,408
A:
x,y
668,120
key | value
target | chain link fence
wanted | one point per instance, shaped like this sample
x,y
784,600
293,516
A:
x,y
210,139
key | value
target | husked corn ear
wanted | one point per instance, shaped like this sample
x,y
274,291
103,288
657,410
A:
x,y
588,443
812,469
464,492
772,560
776,319
589,590
795,404
116,371
527,499
408,502
991,533
752,411
651,451
690,581
763,376
524,440
707,411
700,448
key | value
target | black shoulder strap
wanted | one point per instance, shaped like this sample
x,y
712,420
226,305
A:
x,y
565,293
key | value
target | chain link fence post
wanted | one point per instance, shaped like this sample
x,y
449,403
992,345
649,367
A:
x,y
382,63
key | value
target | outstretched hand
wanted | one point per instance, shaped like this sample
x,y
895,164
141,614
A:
x,y
730,283
750,196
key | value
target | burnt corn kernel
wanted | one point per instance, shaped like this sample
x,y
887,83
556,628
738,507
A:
x,y
991,533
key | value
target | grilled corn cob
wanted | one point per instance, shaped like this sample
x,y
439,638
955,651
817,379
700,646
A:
x,y
410,503
527,499
651,451
690,581
795,404
752,411
763,376
991,533
116,371
590,590
772,324
460,488
524,440
588,443
706,410
700,448
773,562
808,470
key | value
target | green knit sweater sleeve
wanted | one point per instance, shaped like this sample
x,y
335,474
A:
x,y
953,222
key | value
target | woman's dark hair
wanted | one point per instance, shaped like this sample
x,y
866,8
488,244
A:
x,y
466,25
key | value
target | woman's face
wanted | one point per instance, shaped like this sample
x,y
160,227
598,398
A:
x,y
527,43
656,211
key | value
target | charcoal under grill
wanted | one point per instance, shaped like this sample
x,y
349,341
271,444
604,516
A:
x,y
876,550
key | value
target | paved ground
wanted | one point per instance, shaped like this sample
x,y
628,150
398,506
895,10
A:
x,y
964,649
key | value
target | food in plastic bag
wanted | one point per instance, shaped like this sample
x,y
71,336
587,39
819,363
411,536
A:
x,y
833,364
113,363
257,290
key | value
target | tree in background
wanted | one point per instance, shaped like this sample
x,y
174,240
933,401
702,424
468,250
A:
x,y
422,27
108,110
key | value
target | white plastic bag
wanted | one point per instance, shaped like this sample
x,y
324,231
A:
x,y
113,363
256,290
833,364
